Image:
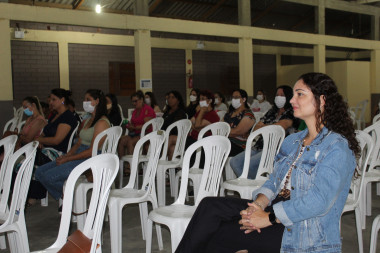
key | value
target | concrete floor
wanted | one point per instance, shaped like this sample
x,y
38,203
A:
x,y
43,223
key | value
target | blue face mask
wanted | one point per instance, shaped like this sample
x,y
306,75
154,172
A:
x,y
28,112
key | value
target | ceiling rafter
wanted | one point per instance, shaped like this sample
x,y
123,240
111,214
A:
x,y
309,16
77,3
264,12
212,10
154,6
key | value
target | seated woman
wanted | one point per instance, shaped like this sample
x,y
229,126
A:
x,y
281,114
220,102
113,110
320,162
150,100
260,104
142,113
241,119
191,109
54,174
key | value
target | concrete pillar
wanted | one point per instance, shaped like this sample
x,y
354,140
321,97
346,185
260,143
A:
x,y
189,72
244,12
246,65
5,61
320,58
63,56
143,58
375,27
375,71
141,8
320,17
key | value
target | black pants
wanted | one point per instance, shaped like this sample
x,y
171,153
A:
x,y
215,228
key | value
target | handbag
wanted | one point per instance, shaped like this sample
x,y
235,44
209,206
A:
x,y
77,242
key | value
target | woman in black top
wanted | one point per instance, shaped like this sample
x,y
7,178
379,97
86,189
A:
x,y
191,109
113,110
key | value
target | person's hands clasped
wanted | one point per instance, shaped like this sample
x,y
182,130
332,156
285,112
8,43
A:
x,y
253,218
61,160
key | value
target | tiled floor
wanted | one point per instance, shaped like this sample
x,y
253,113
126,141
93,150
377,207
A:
x,y
43,223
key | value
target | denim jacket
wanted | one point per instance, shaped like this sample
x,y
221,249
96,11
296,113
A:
x,y
320,182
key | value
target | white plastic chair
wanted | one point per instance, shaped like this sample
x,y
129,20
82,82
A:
x,y
130,111
11,125
375,230
359,111
183,127
373,174
376,118
129,194
121,114
177,216
45,201
104,168
356,189
221,114
273,137
195,173
156,125
109,146
12,219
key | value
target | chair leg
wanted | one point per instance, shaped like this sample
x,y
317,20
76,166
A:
x,y
115,216
13,245
143,217
45,201
176,184
368,199
22,236
161,186
148,236
375,230
176,233
80,206
121,173
172,179
3,244
359,229
378,189
158,228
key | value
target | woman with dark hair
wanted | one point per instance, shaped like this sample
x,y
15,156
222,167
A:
x,y
241,119
281,114
53,174
191,109
57,132
113,110
220,102
260,104
150,100
305,193
142,113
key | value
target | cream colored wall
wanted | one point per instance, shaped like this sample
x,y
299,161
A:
x,y
288,75
338,72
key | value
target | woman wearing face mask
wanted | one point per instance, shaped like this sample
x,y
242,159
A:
x,y
191,109
150,100
53,175
241,119
220,102
113,111
142,113
260,104
281,114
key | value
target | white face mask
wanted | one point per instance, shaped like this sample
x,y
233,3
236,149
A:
x,y
216,101
147,101
203,103
88,107
259,97
280,101
236,103
193,98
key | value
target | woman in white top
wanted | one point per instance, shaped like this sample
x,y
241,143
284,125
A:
x,y
260,104
220,102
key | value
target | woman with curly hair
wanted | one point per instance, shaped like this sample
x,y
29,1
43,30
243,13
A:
x,y
298,208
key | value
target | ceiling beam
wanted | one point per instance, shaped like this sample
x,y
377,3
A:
x,y
341,6
154,6
77,3
212,10
367,1
264,12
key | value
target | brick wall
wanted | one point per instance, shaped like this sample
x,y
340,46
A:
x,y
35,69
168,73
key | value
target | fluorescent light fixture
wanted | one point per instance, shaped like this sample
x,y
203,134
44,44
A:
x,y
98,8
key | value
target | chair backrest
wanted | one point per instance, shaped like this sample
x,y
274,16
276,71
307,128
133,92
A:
x,y
69,145
362,106
11,125
9,144
217,149
183,127
155,123
258,115
121,114
374,131
376,118
221,114
22,181
366,145
104,168
273,137
155,140
130,111
109,146
217,128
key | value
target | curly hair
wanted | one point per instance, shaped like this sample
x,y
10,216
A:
x,y
335,115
